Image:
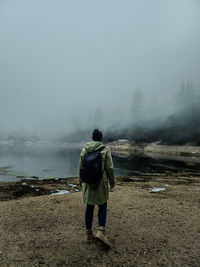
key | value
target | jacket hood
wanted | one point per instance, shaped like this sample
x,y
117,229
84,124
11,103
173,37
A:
x,y
93,145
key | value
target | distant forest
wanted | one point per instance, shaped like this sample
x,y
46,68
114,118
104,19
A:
x,y
181,126
144,120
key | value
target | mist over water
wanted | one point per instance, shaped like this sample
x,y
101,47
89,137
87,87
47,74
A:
x,y
130,68
75,65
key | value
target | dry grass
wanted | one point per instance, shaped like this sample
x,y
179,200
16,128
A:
x,y
145,229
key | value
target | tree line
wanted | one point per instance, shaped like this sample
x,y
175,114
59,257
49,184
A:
x,y
147,121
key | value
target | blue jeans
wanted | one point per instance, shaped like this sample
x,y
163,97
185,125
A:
x,y
102,213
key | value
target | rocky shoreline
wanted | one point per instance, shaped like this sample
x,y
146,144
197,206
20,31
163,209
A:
x,y
37,187
34,187
126,148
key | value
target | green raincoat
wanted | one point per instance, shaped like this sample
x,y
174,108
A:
x,y
97,194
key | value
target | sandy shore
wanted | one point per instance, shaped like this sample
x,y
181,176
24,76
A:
x,y
145,228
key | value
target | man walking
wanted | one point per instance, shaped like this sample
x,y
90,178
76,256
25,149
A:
x,y
96,173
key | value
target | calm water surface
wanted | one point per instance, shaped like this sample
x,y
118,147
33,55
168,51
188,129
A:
x,y
50,162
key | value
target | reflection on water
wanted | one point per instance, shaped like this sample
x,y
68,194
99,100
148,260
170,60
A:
x,y
140,164
149,164
46,163
26,161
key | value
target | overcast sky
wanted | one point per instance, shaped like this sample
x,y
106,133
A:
x,y
60,59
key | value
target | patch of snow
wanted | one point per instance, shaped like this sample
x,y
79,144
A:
x,y
157,189
61,192
72,185
123,140
156,143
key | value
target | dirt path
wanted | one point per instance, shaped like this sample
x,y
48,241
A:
x,y
154,229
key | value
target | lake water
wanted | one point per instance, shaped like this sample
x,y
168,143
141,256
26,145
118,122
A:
x,y
56,162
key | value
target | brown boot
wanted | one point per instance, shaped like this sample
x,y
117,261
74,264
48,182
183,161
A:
x,y
101,236
90,236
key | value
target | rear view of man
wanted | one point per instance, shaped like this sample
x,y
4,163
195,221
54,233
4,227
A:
x,y
96,173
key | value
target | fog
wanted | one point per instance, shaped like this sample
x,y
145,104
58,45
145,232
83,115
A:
x,y
67,65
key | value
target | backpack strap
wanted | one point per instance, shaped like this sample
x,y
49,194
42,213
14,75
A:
x,y
101,148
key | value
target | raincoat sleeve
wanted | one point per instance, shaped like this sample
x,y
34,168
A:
x,y
110,169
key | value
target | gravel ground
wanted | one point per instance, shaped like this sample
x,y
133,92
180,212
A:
x,y
145,228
